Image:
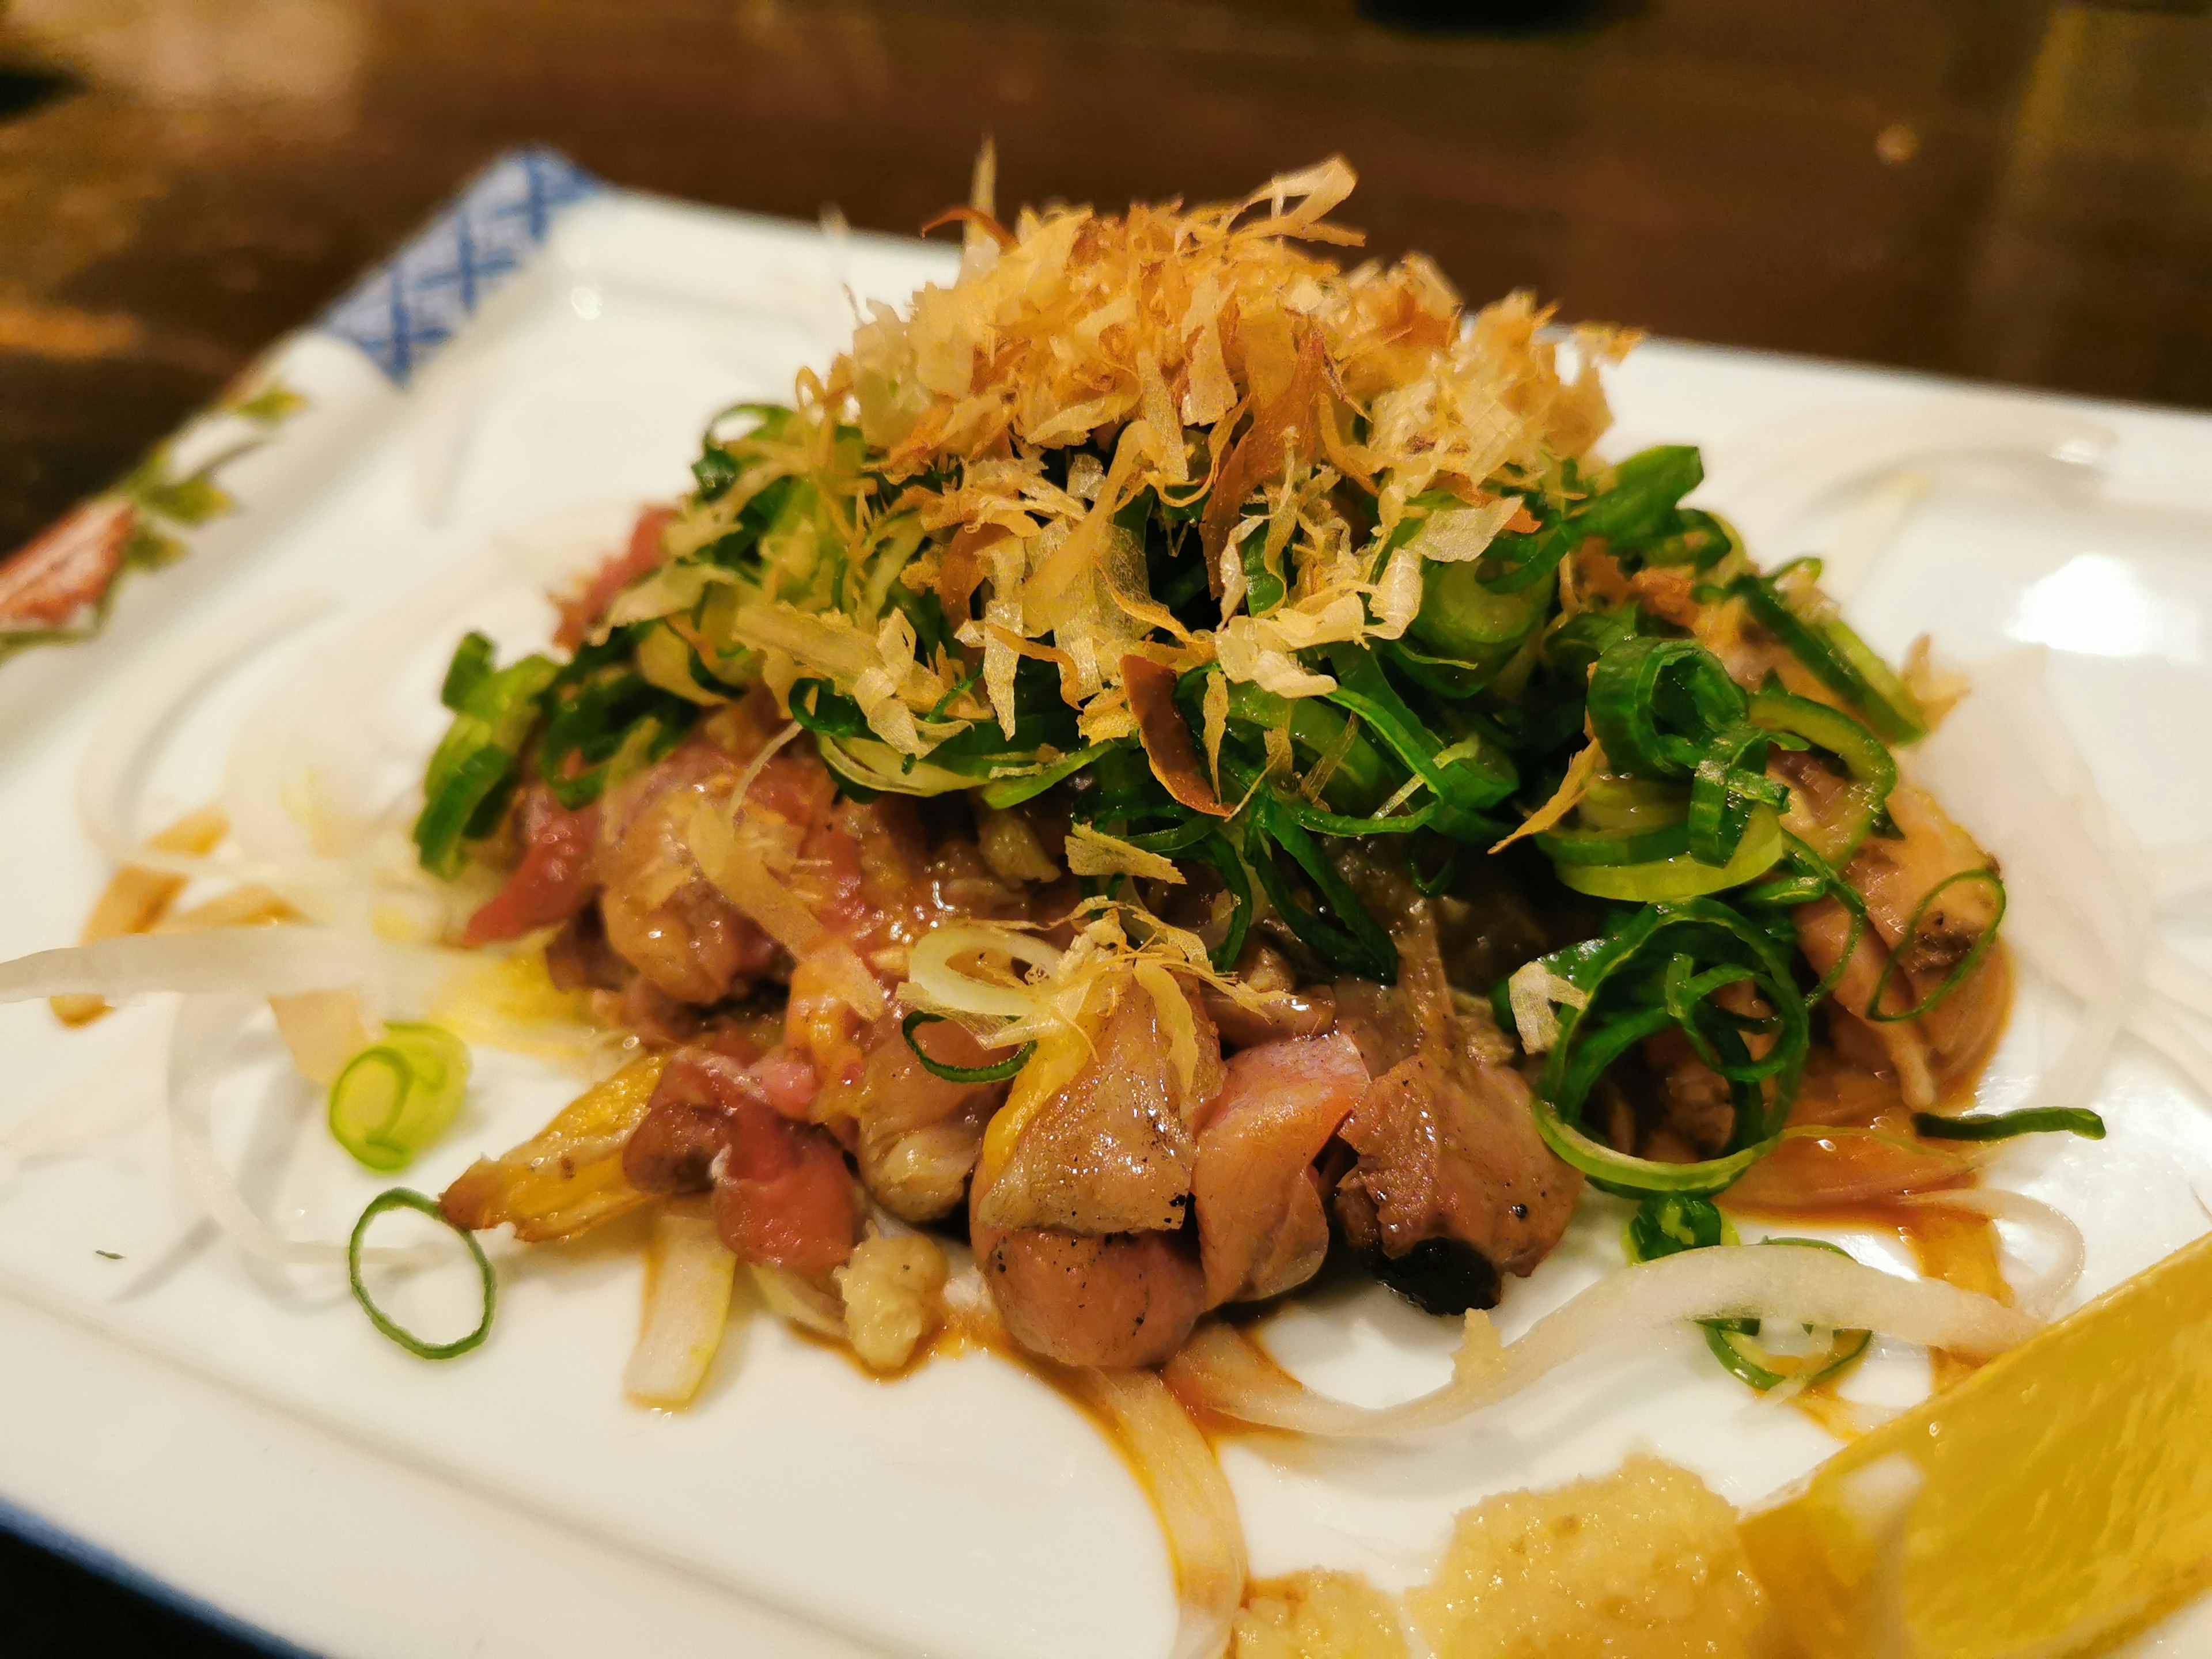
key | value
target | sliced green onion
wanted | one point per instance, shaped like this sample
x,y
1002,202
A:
x,y
1479,773
1635,991
403,1198
997,1072
1668,1223
470,774
397,1096
1658,706
1733,1341
1470,626
1730,784
1643,496
1815,878
1839,659
1965,965
1615,847
1700,540
1873,770
472,660
1355,943
2004,1126
1012,792
1683,876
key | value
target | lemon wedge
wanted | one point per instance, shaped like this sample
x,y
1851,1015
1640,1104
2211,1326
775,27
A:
x,y
2054,1501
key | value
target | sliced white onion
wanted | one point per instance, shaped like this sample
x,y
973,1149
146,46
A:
x,y
800,1302
930,972
688,1276
2039,1296
2080,910
147,705
1196,1509
1227,1372
262,961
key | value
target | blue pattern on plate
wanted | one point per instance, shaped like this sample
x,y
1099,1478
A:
x,y
410,305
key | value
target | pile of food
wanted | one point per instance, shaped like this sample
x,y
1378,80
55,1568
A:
x,y
1174,766
1173,758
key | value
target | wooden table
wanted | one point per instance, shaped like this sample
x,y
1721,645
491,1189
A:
x,y
1995,188
1992,188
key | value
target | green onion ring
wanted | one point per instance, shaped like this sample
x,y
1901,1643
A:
x,y
1591,1038
995,1073
1725,1337
1967,963
2004,1126
405,1198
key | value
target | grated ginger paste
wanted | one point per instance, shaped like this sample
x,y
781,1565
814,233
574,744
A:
x,y
1318,1615
1641,1564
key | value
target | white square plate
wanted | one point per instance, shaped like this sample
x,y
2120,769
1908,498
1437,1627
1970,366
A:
x,y
246,1438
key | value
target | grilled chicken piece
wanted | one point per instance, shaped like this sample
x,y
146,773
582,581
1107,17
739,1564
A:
x,y
662,915
783,1197
1129,1299
1261,1228
1078,1222
1112,1150
1945,1046
1450,1182
917,1135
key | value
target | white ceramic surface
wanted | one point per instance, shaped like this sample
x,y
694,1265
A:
x,y
245,1435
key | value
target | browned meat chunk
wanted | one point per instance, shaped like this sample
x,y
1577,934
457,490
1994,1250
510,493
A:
x,y
1127,1300
1448,1177
1112,1150
917,1135
662,915
783,1196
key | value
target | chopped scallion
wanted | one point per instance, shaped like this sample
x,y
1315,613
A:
x,y
405,1198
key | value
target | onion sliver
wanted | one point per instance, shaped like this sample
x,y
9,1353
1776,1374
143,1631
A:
x,y
1197,1510
689,1275
1224,1371
799,1301
143,709
931,972
2040,1296
265,960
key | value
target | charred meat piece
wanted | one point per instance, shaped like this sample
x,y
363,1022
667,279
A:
x,y
1112,1148
1081,1225
1444,1140
1129,1299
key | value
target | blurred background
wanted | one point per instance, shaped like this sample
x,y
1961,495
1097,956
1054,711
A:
x,y
1995,188
2000,189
